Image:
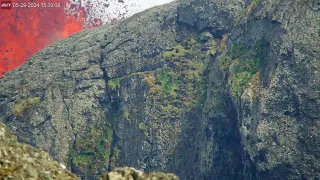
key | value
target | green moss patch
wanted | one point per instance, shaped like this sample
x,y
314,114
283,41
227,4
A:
x,y
167,83
188,47
177,52
92,150
239,82
224,62
81,160
116,153
20,108
242,64
177,87
114,83
144,129
126,115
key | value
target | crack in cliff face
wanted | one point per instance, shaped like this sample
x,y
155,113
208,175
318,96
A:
x,y
68,112
104,71
219,122
112,149
108,111
74,134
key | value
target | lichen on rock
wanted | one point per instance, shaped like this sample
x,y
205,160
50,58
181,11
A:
x,y
207,89
20,108
131,173
21,161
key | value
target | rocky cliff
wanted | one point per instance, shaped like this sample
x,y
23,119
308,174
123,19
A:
x,y
207,89
21,161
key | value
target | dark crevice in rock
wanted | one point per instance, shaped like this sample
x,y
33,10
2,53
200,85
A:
x,y
68,113
112,110
80,69
102,68
105,44
72,167
235,142
3,97
83,89
230,140
69,159
113,145
113,114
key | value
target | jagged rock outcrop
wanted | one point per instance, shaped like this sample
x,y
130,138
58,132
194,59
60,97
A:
x,y
21,161
131,173
207,89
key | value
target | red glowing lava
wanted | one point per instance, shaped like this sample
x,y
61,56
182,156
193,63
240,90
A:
x,y
26,29
31,25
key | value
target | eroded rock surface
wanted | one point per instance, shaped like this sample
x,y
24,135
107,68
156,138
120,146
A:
x,y
131,173
21,161
206,89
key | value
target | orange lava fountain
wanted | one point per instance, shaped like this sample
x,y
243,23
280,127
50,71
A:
x,y
25,30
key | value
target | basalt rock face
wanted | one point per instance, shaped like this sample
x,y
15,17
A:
x,y
279,109
21,161
206,89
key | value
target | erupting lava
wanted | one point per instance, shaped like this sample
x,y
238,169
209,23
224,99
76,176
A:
x,y
35,24
25,30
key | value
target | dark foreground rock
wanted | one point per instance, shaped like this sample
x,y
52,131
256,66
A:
x,y
206,89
